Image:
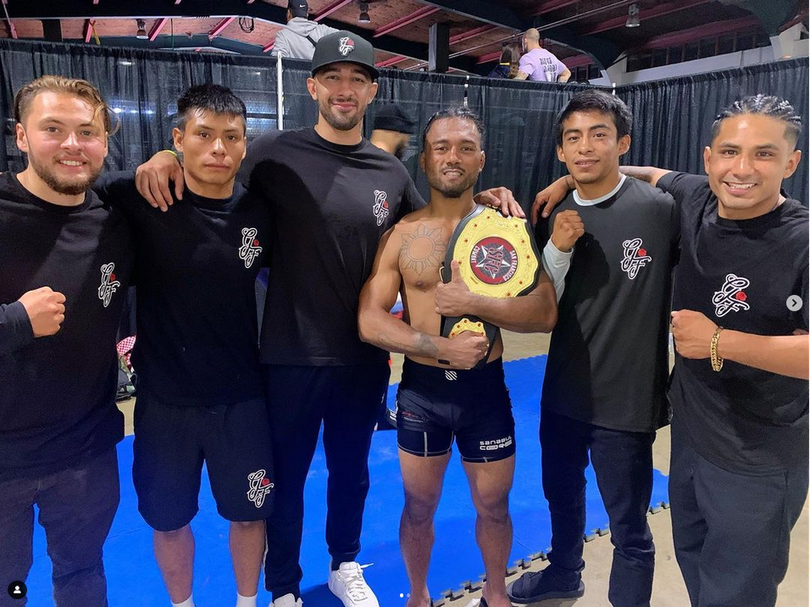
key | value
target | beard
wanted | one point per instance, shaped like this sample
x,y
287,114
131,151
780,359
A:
x,y
72,187
454,190
340,122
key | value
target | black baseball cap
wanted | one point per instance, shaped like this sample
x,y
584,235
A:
x,y
344,47
298,8
391,117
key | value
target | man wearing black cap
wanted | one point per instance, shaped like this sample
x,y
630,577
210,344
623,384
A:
x,y
332,196
298,39
392,129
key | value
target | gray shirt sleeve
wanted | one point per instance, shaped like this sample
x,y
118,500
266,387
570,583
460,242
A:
x,y
556,264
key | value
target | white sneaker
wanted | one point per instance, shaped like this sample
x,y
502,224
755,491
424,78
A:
x,y
348,585
288,600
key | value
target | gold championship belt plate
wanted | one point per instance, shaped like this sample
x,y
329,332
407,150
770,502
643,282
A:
x,y
498,257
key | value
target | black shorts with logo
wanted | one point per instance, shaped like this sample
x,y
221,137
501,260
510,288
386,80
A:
x,y
435,405
171,444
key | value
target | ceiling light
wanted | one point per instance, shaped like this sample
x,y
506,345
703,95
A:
x,y
632,16
141,34
364,17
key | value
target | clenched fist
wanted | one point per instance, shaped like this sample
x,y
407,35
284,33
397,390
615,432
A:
x,y
46,310
568,227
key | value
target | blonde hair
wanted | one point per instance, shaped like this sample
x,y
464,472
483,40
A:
x,y
71,86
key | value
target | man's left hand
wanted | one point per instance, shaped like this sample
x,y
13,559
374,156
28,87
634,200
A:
x,y
503,200
454,298
693,333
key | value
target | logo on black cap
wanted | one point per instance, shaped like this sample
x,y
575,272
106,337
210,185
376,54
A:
x,y
346,46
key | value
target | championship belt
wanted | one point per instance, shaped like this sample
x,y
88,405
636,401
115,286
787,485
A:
x,y
498,258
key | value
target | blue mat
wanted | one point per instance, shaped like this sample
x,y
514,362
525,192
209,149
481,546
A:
x,y
134,580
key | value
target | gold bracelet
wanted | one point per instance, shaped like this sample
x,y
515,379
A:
x,y
172,152
717,362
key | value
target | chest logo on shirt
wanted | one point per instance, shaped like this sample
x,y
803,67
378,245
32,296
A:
x,y
380,207
250,248
346,46
635,257
260,487
731,297
109,284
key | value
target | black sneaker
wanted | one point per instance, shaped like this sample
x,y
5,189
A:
x,y
535,586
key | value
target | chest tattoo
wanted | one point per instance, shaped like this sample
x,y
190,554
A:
x,y
422,249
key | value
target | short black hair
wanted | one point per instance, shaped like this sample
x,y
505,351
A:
x,y
594,100
456,112
765,105
212,98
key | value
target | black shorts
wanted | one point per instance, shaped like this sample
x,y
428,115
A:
x,y
435,405
171,444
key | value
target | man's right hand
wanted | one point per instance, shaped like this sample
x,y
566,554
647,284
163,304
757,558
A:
x,y
465,350
46,310
153,176
568,227
550,197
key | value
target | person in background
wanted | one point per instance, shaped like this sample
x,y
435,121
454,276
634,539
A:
x,y
392,129
538,64
509,63
298,38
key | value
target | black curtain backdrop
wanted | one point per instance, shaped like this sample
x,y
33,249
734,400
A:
x,y
672,117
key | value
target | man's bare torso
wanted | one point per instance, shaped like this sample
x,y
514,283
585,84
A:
x,y
423,241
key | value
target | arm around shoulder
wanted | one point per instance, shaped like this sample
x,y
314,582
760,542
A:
x,y
649,174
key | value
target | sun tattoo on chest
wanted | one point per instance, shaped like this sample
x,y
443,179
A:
x,y
422,249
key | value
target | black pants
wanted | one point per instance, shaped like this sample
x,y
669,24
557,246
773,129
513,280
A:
x,y
731,531
347,400
76,508
623,465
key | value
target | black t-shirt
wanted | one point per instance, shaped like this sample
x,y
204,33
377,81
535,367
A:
x,y
740,274
607,362
57,393
197,337
330,205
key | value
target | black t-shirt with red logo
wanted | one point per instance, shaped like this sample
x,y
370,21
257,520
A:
x,y
57,393
607,363
330,205
197,336
747,276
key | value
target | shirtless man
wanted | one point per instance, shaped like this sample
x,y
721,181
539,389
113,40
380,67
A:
x,y
437,402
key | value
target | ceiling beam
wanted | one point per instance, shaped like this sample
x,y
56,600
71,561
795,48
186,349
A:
x,y
707,30
333,7
406,20
484,29
159,24
486,12
659,10
553,5
197,41
220,27
88,29
493,56
772,14
800,16
390,61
